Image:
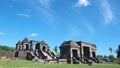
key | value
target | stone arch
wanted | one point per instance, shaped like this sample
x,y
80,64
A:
x,y
37,46
44,48
34,47
25,46
19,47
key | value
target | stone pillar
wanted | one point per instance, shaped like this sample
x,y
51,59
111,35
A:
x,y
90,52
78,52
82,51
71,55
29,47
16,47
46,48
22,46
95,54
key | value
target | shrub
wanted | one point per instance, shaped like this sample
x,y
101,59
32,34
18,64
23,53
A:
x,y
6,48
118,60
112,58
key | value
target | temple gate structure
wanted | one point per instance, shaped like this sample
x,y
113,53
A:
x,y
33,49
78,52
71,51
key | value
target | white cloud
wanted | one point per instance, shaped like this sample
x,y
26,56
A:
x,y
43,7
90,29
23,15
45,3
82,3
107,11
34,34
1,33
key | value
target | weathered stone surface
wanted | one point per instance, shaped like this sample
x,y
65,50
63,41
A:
x,y
31,49
77,51
73,52
6,54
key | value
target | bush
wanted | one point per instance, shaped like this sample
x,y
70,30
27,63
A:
x,y
6,48
112,58
118,60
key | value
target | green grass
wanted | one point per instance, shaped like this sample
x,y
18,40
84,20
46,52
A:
x,y
30,64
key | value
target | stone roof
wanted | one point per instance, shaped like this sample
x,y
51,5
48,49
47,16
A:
x,y
69,43
43,43
25,40
34,42
79,42
19,43
65,43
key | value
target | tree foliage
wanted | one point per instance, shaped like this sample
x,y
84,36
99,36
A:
x,y
6,48
112,58
100,56
110,49
94,45
118,52
105,56
56,49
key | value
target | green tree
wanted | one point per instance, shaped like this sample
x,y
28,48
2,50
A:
x,y
56,49
112,58
110,49
6,48
105,57
100,56
94,45
118,52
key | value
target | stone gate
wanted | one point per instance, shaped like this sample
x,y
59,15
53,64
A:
x,y
73,52
78,52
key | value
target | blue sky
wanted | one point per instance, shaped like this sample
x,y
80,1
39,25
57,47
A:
x,y
55,21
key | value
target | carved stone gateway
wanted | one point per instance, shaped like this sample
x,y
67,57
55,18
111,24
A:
x,y
33,49
70,52
78,52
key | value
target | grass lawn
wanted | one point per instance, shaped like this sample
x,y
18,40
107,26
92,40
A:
x,y
30,64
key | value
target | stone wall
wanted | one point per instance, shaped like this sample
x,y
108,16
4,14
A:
x,y
6,54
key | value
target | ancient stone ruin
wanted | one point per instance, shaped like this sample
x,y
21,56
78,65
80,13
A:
x,y
78,52
33,49
70,52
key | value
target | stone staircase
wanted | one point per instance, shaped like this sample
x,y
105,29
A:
x,y
48,56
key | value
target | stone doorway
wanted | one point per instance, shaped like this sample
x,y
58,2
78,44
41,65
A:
x,y
93,54
86,51
44,48
26,47
75,53
19,48
34,47
37,47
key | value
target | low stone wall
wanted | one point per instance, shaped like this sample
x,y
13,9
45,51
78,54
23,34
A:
x,y
62,61
6,54
22,55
